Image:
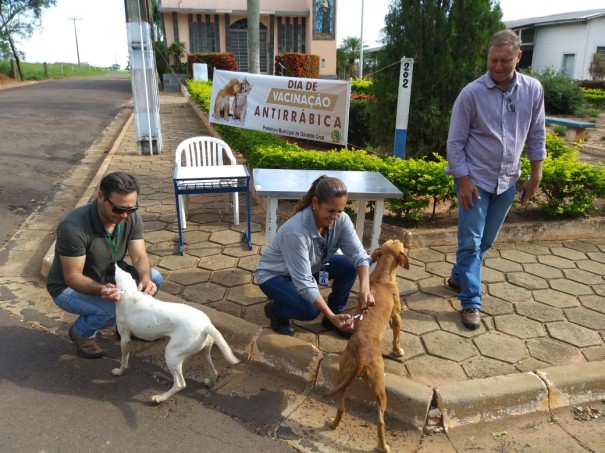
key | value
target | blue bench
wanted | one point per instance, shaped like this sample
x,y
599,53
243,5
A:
x,y
576,130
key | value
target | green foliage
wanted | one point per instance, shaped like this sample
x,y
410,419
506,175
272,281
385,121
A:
x,y
562,94
595,97
361,86
41,71
570,187
560,130
359,122
597,66
298,65
350,49
448,41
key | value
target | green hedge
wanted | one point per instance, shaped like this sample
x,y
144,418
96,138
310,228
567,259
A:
x,y
570,187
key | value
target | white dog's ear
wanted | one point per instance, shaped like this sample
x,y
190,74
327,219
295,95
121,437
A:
x,y
125,281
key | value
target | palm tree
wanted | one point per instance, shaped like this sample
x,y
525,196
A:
x,y
351,47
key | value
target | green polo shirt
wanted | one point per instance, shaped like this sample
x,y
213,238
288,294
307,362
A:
x,y
81,233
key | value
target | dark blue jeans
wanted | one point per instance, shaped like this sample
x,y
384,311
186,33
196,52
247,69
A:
x,y
289,304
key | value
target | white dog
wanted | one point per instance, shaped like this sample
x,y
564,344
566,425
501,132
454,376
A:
x,y
189,329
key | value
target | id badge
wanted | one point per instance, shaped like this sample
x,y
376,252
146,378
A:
x,y
323,278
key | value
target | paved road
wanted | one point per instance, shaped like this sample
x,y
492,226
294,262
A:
x,y
45,129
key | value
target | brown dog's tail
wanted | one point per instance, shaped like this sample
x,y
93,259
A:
x,y
347,380
222,345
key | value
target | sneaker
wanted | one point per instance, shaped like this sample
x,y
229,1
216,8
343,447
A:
x,y
454,285
85,347
326,324
471,318
278,325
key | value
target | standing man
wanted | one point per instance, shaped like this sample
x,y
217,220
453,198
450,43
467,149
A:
x,y
90,240
492,119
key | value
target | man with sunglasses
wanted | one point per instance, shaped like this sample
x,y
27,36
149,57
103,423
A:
x,y
492,119
91,241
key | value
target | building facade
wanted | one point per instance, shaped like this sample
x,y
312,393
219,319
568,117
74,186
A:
x,y
302,26
564,42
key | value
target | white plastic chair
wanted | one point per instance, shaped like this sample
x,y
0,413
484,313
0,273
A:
x,y
205,151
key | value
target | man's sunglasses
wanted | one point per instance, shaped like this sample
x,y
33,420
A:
x,y
116,209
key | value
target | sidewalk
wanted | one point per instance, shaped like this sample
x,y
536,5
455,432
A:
x,y
541,346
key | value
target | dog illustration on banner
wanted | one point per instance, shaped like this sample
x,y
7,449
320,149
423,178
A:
x,y
231,100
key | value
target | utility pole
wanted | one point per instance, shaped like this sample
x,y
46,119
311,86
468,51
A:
x,y
76,32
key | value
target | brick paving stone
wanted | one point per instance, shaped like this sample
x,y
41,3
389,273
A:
x,y
231,277
530,365
599,289
426,303
163,248
568,253
239,251
202,249
508,292
195,237
153,225
591,266
527,281
448,346
575,335
533,248
203,218
416,273
582,246
583,276
494,306
418,323
542,270
586,318
154,237
406,287
433,371
246,295
426,255
484,367
176,262
594,354
451,322
519,326
190,277
518,256
434,286
226,237
411,345
597,256
502,265
569,287
203,293
248,263
489,275
539,312
555,298
500,347
217,262
159,196
440,268
556,262
553,351
593,302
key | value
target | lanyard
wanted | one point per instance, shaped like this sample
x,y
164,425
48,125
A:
x,y
113,241
324,248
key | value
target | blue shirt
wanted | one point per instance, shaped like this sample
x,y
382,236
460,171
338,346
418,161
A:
x,y
486,138
299,251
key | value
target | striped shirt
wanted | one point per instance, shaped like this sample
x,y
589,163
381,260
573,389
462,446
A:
x,y
489,128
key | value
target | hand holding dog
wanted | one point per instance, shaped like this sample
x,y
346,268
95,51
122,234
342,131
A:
x,y
147,287
110,292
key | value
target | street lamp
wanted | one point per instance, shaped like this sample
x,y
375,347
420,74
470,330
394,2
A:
x,y
76,32
361,50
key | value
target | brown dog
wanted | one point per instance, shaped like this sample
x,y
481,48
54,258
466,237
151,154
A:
x,y
221,103
363,355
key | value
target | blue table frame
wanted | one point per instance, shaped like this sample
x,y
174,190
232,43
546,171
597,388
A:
x,y
211,179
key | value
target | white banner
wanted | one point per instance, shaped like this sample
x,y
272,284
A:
x,y
311,109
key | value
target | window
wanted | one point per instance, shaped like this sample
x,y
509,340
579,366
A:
x,y
238,45
569,61
202,35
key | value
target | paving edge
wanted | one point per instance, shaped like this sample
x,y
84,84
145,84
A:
x,y
460,403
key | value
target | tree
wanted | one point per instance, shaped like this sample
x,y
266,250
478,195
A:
x,y
448,41
253,36
18,18
597,66
350,48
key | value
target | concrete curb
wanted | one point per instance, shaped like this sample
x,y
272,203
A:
x,y
460,403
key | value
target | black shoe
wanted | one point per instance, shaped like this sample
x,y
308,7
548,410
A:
x,y
326,324
278,325
471,318
454,285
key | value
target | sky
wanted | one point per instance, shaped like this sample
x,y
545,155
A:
x,y
100,27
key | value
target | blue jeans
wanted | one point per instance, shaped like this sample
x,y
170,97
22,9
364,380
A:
x,y
478,228
289,304
95,312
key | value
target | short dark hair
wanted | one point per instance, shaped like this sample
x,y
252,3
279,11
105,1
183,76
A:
x,y
119,182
